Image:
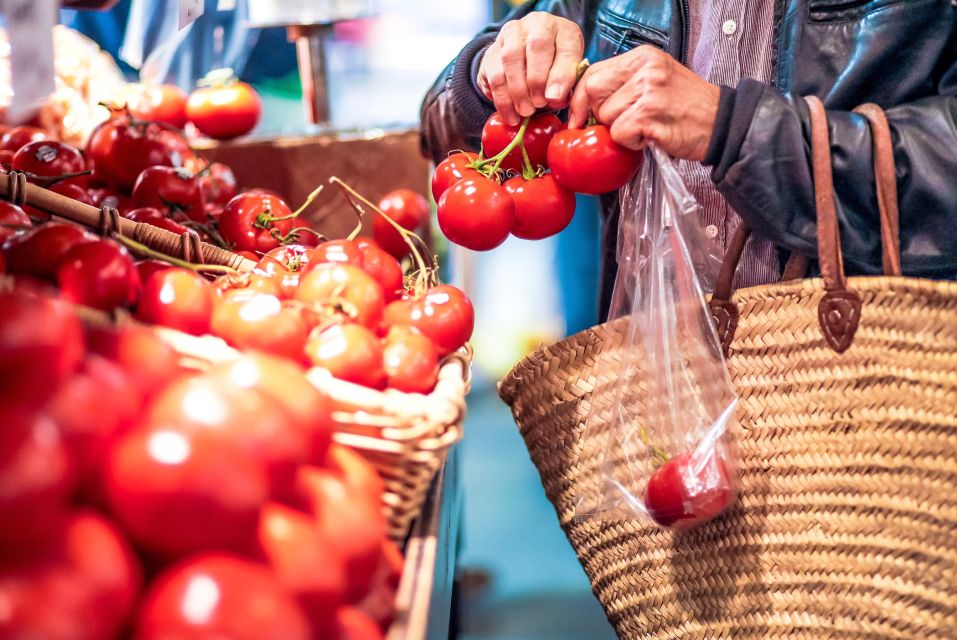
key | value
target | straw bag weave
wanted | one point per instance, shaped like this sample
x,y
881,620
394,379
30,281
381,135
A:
x,y
846,526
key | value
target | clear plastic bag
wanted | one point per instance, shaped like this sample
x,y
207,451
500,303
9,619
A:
x,y
656,443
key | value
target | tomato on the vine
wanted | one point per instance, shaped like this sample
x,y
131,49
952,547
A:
x,y
217,595
225,108
350,352
155,217
476,213
406,208
38,252
336,251
218,183
346,286
256,221
49,158
411,361
174,191
589,161
260,322
121,149
163,103
497,134
451,170
99,274
177,298
542,206
383,268
444,315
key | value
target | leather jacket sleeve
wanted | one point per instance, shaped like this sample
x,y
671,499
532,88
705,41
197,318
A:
x,y
764,171
454,110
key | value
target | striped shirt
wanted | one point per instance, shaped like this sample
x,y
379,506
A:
x,y
729,40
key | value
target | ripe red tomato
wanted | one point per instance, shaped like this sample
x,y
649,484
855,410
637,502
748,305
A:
x,y
121,150
383,268
150,364
179,299
219,596
354,624
232,287
99,274
444,315
174,191
164,103
410,360
49,158
497,134
542,206
256,221
80,588
157,218
37,477
304,561
177,490
224,110
107,197
354,470
476,213
689,489
406,208
336,251
38,253
287,384
64,188
261,323
351,523
23,135
451,170
290,258
147,268
218,183
353,289
12,220
350,352
589,161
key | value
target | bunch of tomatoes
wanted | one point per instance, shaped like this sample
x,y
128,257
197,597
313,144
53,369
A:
x,y
139,499
524,181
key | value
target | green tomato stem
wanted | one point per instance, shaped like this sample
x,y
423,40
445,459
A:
x,y
516,141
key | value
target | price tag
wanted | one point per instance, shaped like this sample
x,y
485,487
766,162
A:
x,y
30,30
189,10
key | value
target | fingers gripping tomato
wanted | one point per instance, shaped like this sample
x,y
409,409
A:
x,y
497,134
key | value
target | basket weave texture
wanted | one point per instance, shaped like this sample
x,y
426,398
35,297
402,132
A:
x,y
846,526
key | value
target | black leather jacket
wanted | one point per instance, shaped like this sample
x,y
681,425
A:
x,y
901,54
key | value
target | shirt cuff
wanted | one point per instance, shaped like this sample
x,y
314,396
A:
x,y
735,116
472,106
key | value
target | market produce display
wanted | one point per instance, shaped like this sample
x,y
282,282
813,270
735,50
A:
x,y
138,481
524,181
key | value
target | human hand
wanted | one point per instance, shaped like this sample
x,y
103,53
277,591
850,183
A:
x,y
646,96
532,64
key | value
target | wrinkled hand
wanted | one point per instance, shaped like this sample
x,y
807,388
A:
x,y
532,64
646,96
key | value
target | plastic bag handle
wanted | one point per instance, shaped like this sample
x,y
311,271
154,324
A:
x,y
839,310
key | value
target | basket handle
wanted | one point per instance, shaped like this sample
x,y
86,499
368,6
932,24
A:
x,y
839,310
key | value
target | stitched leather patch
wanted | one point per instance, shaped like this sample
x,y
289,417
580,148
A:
x,y
725,316
839,313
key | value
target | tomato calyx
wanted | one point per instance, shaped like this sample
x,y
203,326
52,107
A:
x,y
218,78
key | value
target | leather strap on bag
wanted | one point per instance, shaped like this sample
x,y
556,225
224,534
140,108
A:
x,y
840,310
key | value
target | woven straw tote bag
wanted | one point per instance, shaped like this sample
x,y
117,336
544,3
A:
x,y
846,525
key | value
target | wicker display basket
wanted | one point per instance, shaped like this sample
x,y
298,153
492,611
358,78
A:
x,y
406,436
846,526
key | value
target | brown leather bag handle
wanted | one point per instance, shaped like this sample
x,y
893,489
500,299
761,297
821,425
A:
x,y
839,310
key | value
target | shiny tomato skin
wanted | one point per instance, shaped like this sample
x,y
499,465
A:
x,y
451,170
589,161
121,150
41,344
177,490
497,134
444,314
12,220
163,103
18,137
336,251
406,208
218,183
260,323
290,258
224,112
99,274
149,363
542,206
360,294
179,299
476,213
37,479
350,352
157,218
147,268
383,268
247,225
222,597
411,361
49,158
39,252
176,192
689,490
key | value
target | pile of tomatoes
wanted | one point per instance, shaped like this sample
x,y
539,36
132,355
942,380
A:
x,y
525,180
